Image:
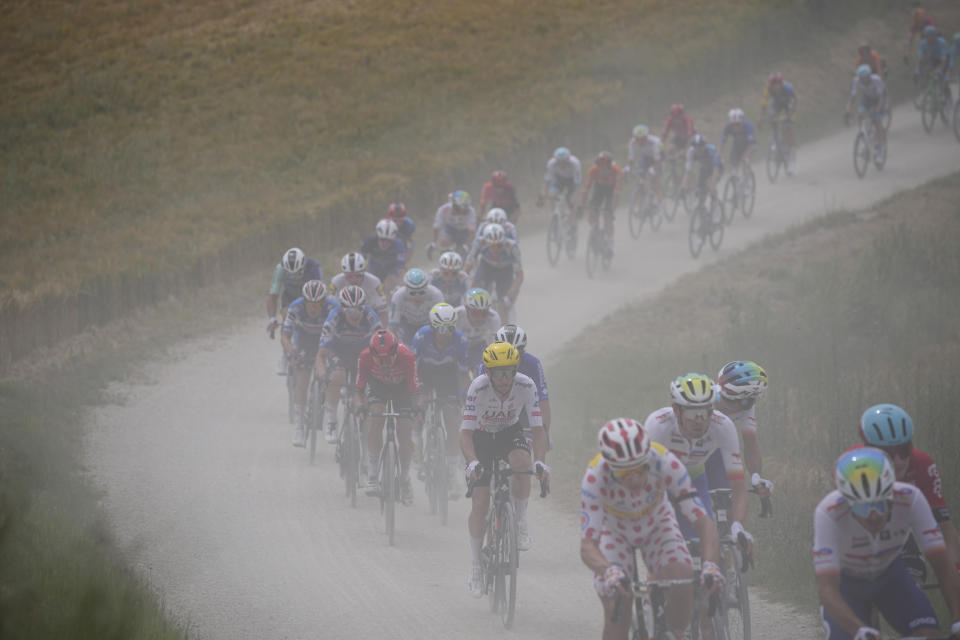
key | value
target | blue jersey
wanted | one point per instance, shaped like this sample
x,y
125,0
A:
x,y
936,53
783,100
426,351
531,367
954,54
299,323
382,263
406,228
345,339
742,136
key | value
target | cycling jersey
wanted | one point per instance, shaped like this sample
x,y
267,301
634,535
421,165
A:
x,y
745,421
645,153
410,310
620,520
507,256
783,100
680,126
485,411
454,291
872,91
299,323
606,182
706,159
483,333
742,134
531,367
450,218
874,61
405,228
509,230
841,545
347,340
384,262
563,172
663,427
922,472
403,371
426,352
289,286
933,54
504,197
371,286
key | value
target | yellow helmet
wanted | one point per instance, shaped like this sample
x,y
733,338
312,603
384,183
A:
x,y
500,354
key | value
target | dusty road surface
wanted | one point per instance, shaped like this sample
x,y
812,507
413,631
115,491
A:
x,y
240,536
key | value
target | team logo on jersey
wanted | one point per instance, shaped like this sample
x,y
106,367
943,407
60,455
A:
x,y
934,473
822,552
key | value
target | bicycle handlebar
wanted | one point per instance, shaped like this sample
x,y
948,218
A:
x,y
544,486
626,583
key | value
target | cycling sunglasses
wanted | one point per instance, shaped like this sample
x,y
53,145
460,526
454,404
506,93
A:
x,y
863,509
444,328
698,413
899,451
623,474
503,373
417,292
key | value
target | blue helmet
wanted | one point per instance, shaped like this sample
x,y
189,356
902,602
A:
x,y
562,153
415,279
929,30
886,425
864,71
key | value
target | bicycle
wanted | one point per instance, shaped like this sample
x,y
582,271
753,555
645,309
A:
x,y
435,469
500,556
735,613
672,178
313,416
643,207
561,231
739,192
350,451
779,152
933,103
598,250
702,223
389,475
956,119
867,146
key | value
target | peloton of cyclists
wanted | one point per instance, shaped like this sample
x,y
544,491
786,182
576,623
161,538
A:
x,y
625,506
499,267
450,278
454,224
780,100
386,254
490,429
479,322
353,271
605,177
289,276
499,192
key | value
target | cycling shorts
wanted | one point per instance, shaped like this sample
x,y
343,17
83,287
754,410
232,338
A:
x,y
736,152
868,104
309,345
445,378
645,163
707,170
702,484
335,361
898,598
456,236
378,392
488,445
498,279
601,199
559,186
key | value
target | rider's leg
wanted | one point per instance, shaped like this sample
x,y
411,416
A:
x,y
405,444
338,378
618,551
374,437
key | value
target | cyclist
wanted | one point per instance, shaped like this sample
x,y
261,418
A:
x,y
410,305
490,429
494,216
873,99
889,428
500,192
859,529
289,276
346,332
781,99
606,178
562,178
741,132
692,430
479,323
708,166
919,20
387,370
450,278
626,505
353,271
385,253
867,56
679,127
302,330
530,367
454,224
397,212
500,266
955,53
934,57
441,352
647,151
739,385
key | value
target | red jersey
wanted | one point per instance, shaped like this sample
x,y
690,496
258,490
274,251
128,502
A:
x,y
873,60
504,197
922,473
404,369
680,126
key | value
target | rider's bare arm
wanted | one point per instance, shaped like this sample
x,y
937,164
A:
x,y
709,539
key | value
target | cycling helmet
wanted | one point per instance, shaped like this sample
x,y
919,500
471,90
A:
x,y
499,178
397,210
693,390
477,299
293,261
698,141
735,115
353,263
885,425
864,71
514,335
460,199
352,297
562,154
676,109
443,315
776,78
641,131
929,30
497,216
604,159
742,379
415,279
864,475
451,261
387,229
314,291
383,344
494,234
624,443
500,354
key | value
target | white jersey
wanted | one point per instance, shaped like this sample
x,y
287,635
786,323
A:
x,y
477,333
447,217
509,229
649,148
871,91
371,287
842,545
662,427
485,411
746,420
563,171
413,310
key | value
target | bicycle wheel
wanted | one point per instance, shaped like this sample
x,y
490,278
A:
x,y
350,457
653,213
748,193
671,188
956,119
314,419
716,228
887,116
736,597
554,240
441,477
861,155
929,111
880,156
731,199
571,235
593,251
690,200
509,562
773,162
635,214
388,488
290,383
697,234
430,468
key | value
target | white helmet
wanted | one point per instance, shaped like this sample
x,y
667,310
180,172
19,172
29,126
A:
x,y
864,475
624,443
735,115
387,229
443,315
451,261
514,335
494,234
693,390
497,216
353,263
293,261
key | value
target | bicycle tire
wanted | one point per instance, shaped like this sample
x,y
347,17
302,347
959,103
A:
x,y
350,458
430,470
592,253
773,163
690,200
956,119
929,112
880,159
554,240
510,562
654,215
670,189
861,155
748,193
442,480
887,116
570,236
738,598
388,490
695,236
635,216
315,415
716,229
290,383
731,199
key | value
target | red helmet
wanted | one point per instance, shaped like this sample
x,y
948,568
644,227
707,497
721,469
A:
x,y
397,210
676,109
499,178
383,345
776,78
